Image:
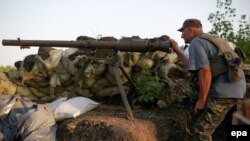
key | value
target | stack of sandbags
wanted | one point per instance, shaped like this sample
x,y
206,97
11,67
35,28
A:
x,y
74,72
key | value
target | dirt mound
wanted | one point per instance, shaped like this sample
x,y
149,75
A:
x,y
109,123
106,128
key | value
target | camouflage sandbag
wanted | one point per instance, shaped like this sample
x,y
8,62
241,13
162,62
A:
x,y
109,74
83,92
6,86
110,91
171,58
14,76
68,64
156,55
162,69
80,61
90,73
131,58
37,93
46,98
144,61
25,92
36,77
100,84
55,69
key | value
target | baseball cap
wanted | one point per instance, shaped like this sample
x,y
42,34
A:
x,y
190,23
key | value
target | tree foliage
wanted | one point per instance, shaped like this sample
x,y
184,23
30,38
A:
x,y
224,23
6,68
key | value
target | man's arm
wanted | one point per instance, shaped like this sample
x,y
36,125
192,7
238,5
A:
x,y
205,78
183,57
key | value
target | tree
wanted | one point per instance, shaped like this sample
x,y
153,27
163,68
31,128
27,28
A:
x,y
6,68
223,21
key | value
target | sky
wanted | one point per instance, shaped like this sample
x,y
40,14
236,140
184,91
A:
x,y
66,20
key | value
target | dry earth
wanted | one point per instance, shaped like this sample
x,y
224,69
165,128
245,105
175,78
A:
x,y
108,122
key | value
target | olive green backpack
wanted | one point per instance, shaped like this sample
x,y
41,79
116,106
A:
x,y
227,60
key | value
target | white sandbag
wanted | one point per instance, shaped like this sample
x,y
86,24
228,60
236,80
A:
x,y
57,102
74,107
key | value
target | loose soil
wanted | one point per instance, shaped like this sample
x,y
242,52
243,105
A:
x,y
109,122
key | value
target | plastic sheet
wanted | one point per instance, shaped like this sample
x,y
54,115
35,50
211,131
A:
x,y
21,119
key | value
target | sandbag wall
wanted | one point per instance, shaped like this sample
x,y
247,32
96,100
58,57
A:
x,y
54,72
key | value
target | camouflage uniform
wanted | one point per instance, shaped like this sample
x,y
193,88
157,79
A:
x,y
211,117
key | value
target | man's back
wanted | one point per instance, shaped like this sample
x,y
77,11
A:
x,y
201,52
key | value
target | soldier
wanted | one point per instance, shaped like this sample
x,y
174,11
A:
x,y
216,96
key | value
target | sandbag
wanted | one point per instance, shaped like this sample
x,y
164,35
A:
x,y
73,107
25,91
83,92
91,73
36,124
144,61
110,91
109,75
100,84
11,108
171,58
156,55
162,69
6,86
131,58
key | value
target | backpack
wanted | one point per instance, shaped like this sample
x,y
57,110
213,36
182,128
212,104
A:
x,y
227,61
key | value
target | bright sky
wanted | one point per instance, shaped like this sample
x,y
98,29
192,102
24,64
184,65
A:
x,y
66,20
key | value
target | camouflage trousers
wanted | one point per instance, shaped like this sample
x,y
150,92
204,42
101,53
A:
x,y
214,113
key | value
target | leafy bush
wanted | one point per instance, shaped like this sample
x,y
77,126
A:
x,y
149,87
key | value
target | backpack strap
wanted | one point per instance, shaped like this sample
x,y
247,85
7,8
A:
x,y
226,61
221,44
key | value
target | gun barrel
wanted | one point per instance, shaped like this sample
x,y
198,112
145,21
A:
x,y
133,45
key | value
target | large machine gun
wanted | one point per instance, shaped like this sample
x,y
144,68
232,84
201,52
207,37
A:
x,y
123,45
127,45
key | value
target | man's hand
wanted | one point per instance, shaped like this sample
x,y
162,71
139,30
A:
x,y
174,45
200,105
179,52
